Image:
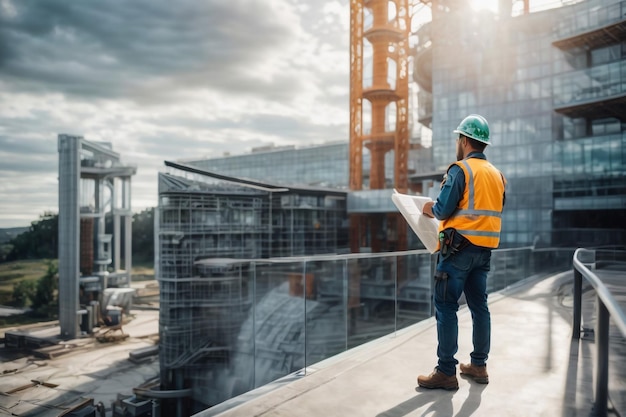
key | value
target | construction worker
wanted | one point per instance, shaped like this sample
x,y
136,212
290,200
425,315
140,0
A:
x,y
469,208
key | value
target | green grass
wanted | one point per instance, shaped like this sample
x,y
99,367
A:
x,y
22,319
16,271
31,270
142,270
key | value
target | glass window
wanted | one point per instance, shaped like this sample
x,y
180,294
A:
x,y
599,158
605,126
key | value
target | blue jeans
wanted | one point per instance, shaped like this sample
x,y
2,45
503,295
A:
x,y
466,272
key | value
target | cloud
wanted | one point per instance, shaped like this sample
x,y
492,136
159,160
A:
x,y
163,80
154,49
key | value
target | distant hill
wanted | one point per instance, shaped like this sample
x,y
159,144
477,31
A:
x,y
9,233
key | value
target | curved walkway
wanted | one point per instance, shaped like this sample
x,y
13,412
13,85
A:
x,y
535,369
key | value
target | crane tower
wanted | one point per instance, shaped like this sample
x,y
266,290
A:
x,y
389,40
384,25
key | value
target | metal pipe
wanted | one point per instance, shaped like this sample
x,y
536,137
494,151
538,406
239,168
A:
x,y
304,297
163,394
97,148
607,308
602,360
578,285
616,312
69,233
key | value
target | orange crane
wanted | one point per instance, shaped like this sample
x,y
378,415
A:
x,y
385,25
389,38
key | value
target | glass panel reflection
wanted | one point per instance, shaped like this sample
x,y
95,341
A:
x,y
327,308
278,320
371,295
414,289
235,325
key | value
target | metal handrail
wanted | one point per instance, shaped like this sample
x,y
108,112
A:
x,y
607,307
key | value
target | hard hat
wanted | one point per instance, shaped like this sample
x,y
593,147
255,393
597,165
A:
x,y
474,126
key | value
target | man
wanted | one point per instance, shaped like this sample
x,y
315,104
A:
x,y
469,207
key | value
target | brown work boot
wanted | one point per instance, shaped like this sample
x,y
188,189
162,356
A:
x,y
478,373
438,379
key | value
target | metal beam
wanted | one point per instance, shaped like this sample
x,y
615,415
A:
x,y
69,233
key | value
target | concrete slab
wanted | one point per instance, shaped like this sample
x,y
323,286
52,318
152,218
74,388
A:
x,y
99,371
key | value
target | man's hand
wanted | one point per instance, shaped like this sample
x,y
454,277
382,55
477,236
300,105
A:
x,y
428,209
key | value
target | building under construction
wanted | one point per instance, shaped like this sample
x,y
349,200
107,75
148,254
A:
x,y
94,270
94,184
209,227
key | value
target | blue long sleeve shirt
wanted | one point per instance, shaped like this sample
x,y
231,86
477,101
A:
x,y
452,190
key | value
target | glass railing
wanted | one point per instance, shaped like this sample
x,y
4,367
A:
x,y
370,201
596,83
296,312
590,18
587,237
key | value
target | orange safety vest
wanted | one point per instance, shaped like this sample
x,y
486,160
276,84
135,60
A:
x,y
478,216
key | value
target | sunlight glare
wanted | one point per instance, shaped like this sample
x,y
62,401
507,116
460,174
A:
x,y
491,5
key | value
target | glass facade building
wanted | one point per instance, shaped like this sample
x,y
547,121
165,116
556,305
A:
x,y
324,165
552,85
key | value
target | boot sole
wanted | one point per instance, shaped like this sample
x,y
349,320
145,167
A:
x,y
447,388
479,379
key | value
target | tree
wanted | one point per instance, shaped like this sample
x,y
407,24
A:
x,y
23,291
44,299
143,236
5,249
39,242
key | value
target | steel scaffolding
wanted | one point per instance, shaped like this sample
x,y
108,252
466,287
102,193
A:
x,y
93,184
208,225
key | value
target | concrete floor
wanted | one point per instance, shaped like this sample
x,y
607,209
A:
x,y
91,369
535,368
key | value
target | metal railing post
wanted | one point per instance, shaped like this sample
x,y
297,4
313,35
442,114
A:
x,y
602,359
578,285
607,308
433,268
395,294
304,297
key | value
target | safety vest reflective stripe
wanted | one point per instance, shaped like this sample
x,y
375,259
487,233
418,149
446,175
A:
x,y
471,202
470,183
478,233
479,213
479,216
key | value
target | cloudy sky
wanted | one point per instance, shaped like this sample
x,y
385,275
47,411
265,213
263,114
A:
x,y
163,80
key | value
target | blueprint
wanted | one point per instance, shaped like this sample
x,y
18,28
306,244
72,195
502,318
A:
x,y
426,228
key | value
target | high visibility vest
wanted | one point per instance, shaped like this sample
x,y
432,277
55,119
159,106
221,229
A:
x,y
478,216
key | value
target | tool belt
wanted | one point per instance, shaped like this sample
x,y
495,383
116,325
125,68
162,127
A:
x,y
450,242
